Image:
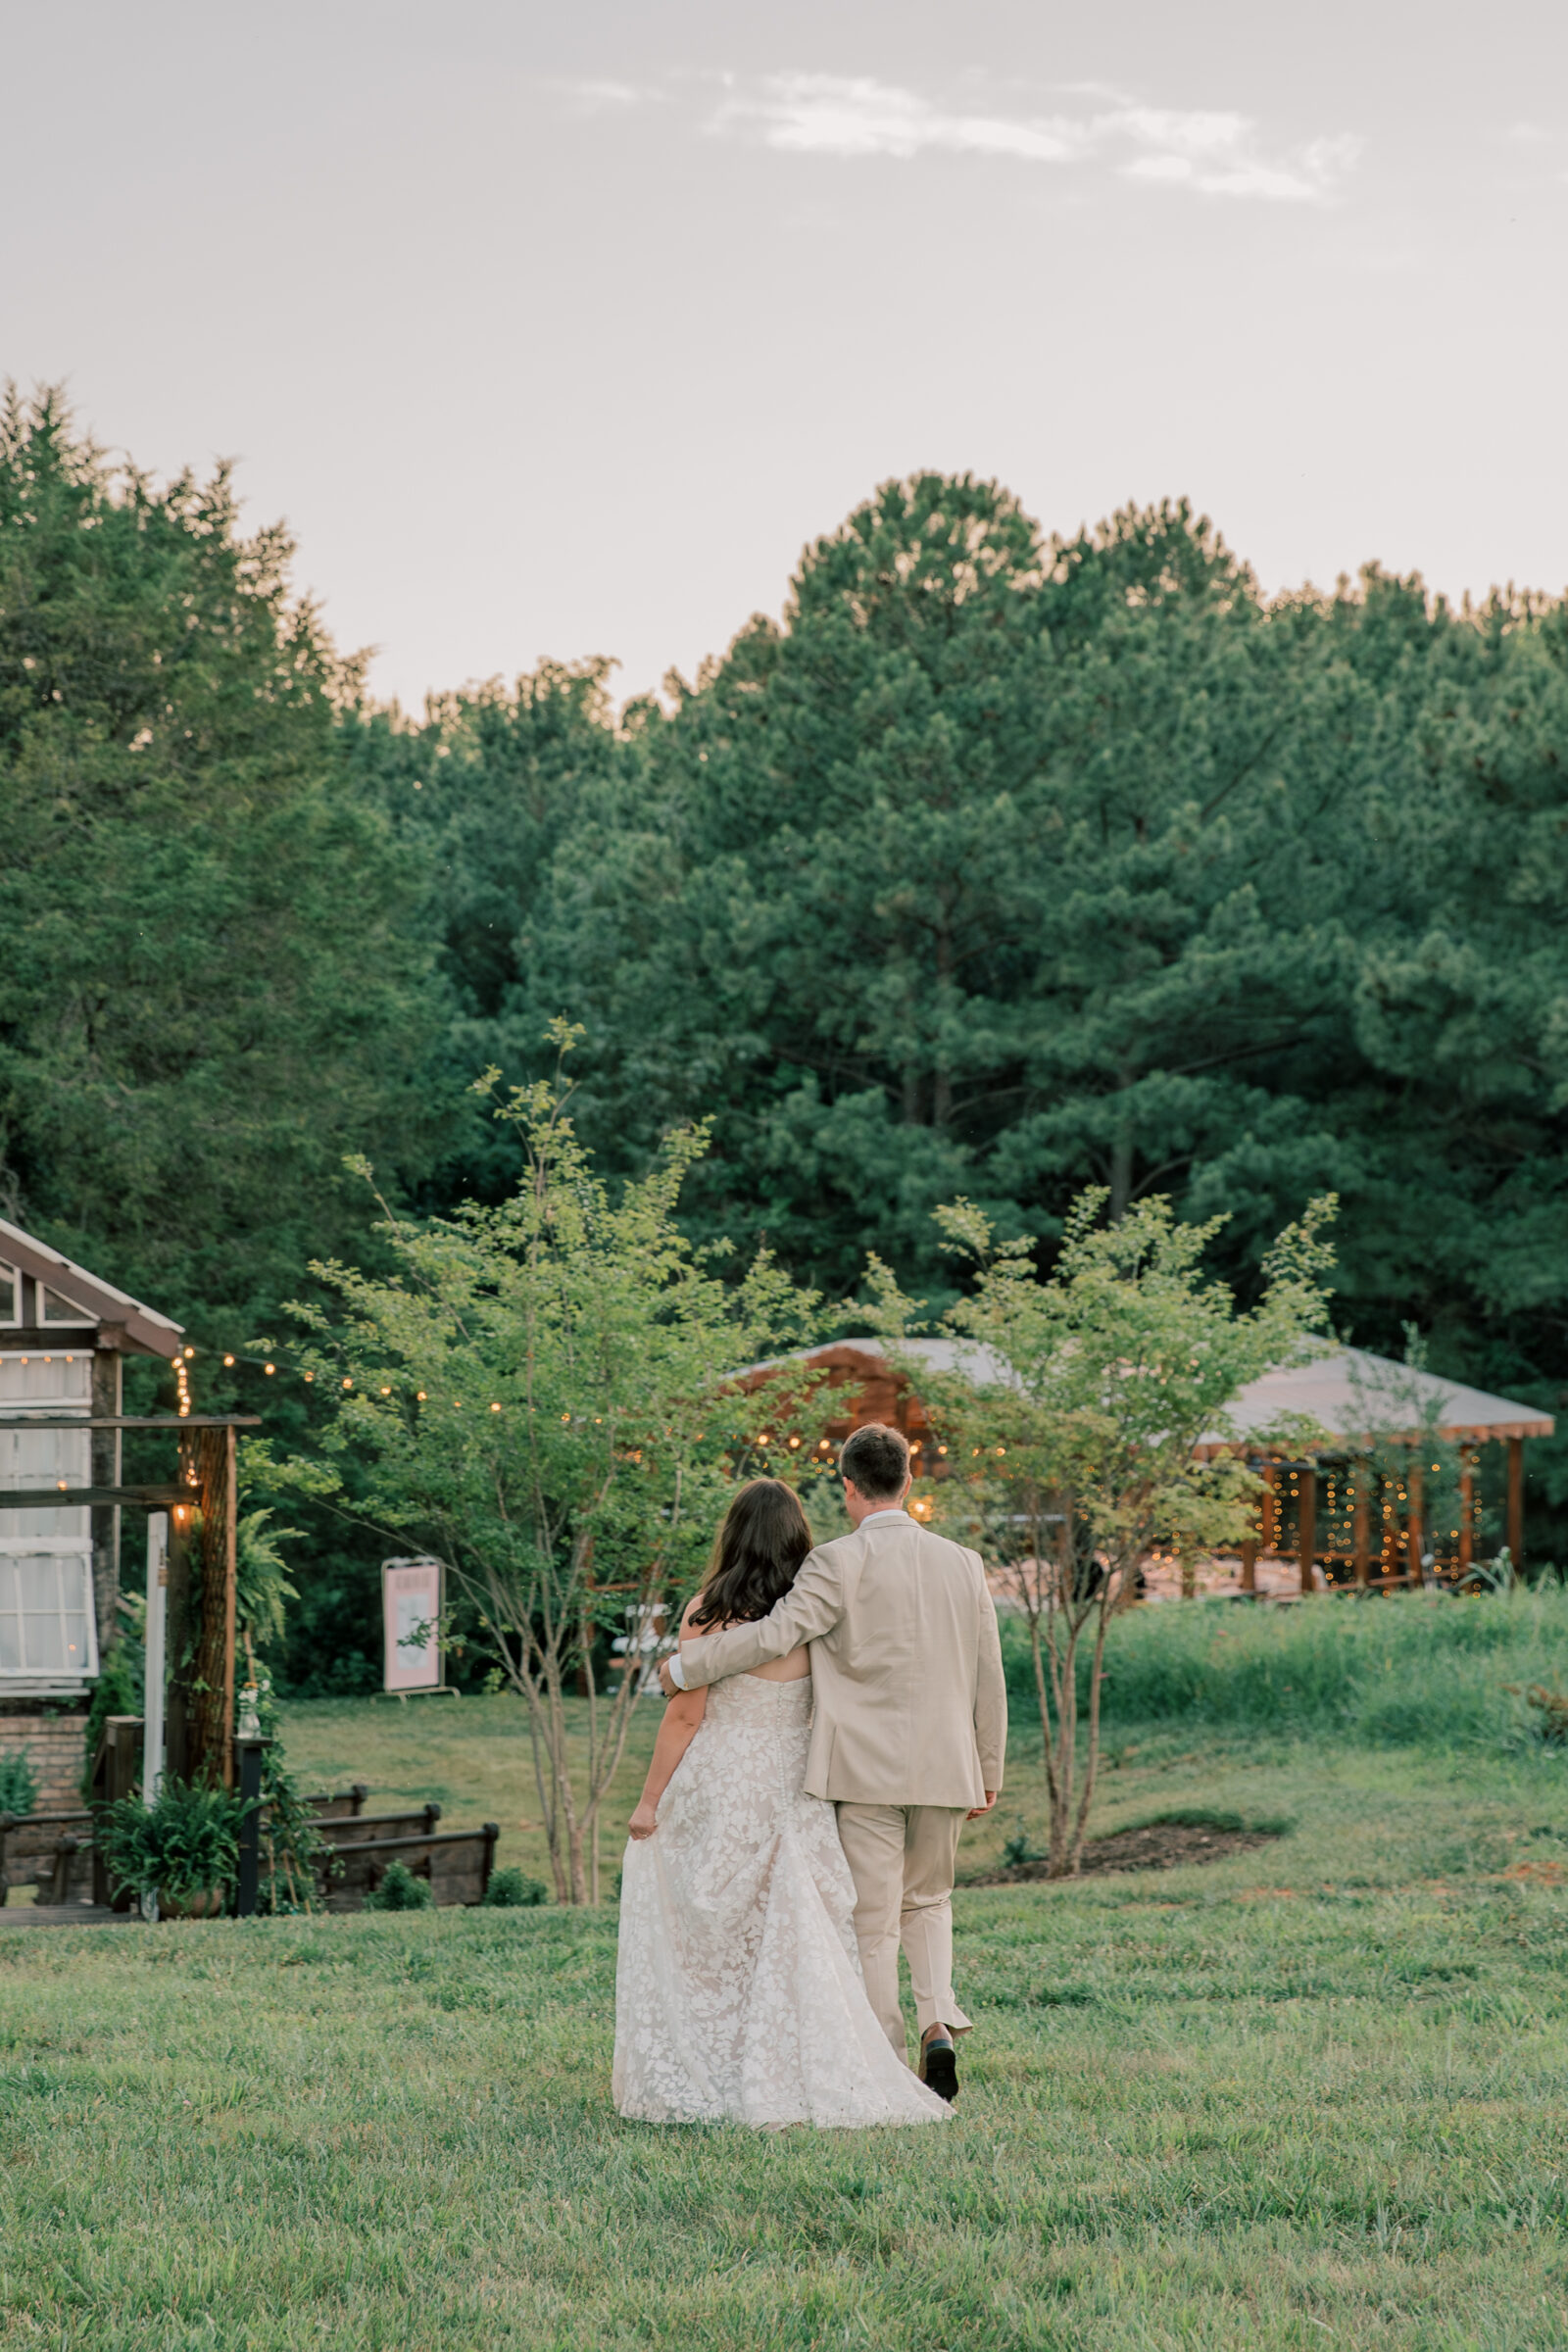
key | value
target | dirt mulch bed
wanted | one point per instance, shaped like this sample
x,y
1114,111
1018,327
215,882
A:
x,y
1162,1845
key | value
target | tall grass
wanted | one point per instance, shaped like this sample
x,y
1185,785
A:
x,y
1406,1670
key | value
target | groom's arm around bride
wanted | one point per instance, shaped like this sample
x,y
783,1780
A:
x,y
909,1724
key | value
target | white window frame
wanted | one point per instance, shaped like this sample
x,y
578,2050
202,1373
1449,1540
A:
x,y
79,1318
60,1398
67,1552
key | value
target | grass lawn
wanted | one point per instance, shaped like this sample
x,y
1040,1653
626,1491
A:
x,y
1314,2092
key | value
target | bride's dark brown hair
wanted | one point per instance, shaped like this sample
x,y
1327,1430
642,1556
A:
x,y
757,1556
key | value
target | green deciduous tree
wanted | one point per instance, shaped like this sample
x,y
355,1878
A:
x,y
534,1392
1088,1420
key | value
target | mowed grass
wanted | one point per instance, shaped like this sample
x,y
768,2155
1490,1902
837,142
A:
x,y
1314,2092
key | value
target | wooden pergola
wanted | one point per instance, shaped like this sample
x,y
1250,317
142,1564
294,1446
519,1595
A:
x,y
1355,1500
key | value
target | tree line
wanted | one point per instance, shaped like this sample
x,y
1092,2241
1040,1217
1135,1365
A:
x,y
998,865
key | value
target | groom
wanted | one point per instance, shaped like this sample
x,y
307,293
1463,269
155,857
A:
x,y
909,1725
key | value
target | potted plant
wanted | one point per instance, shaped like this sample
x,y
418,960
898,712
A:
x,y
184,1847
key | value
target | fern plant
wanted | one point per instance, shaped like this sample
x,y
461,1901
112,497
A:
x,y
19,1787
185,1843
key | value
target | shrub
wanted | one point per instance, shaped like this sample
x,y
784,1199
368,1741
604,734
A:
x,y
400,1891
510,1891
19,1787
1552,1708
182,1844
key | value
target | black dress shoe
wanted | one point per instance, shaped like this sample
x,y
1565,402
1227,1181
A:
x,y
939,2069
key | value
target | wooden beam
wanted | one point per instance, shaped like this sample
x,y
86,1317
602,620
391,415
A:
x,y
170,1421
48,1338
74,1499
1307,1525
1516,1501
1362,1537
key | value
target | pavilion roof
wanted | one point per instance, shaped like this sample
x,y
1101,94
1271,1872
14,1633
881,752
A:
x,y
1351,1395
1355,1396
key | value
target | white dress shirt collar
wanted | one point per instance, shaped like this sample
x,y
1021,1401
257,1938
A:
x,y
894,1511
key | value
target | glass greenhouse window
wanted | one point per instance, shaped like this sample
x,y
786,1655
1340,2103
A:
x,y
10,1295
45,1625
52,1308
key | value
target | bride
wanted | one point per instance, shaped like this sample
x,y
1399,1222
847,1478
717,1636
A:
x,y
738,1994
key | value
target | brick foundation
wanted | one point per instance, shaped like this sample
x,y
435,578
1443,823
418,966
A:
x,y
56,1749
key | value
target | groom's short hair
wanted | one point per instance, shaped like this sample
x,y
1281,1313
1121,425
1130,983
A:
x,y
876,1460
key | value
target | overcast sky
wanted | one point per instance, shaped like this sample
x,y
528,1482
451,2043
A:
x,y
559,328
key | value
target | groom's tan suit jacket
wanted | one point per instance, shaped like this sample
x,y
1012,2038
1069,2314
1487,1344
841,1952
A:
x,y
909,1703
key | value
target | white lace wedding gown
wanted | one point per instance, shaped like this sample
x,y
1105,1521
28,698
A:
x,y
738,1994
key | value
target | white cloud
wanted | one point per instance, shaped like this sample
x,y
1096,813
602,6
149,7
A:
x,y
821,113
607,97
1212,153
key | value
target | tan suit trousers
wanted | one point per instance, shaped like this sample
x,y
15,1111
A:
x,y
902,1859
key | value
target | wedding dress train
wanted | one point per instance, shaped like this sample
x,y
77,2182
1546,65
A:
x,y
738,1994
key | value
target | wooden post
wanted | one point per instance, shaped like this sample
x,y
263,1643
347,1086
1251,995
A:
x,y
1389,1569
114,1776
1414,1532
1307,1525
103,1460
1271,1515
1516,1501
211,1703
1467,1509
247,1888
1250,1551
1362,1536
1184,1547
177,1645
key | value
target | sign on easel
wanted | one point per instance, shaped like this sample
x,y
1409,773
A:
x,y
411,1617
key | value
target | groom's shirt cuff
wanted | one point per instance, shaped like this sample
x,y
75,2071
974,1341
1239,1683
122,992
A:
x,y
677,1672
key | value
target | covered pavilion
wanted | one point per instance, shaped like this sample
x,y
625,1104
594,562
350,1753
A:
x,y
1387,1482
